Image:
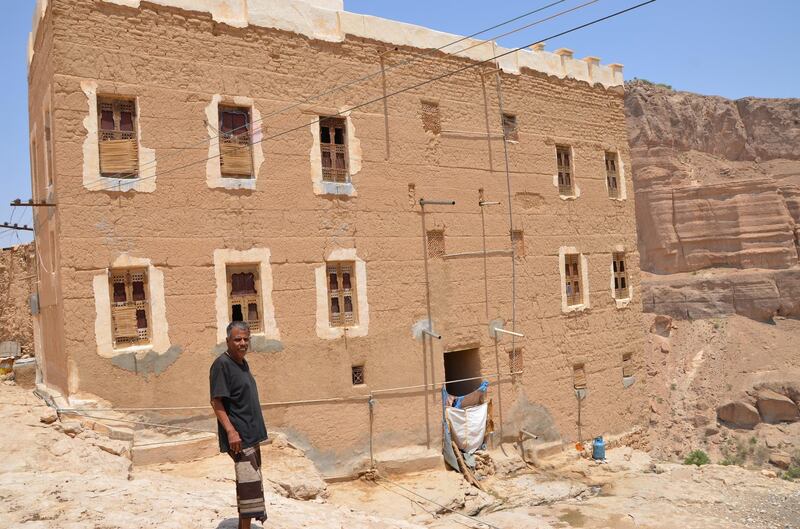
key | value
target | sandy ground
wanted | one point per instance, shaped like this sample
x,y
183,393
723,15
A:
x,y
50,480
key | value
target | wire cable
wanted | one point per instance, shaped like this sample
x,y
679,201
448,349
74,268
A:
x,y
409,88
367,77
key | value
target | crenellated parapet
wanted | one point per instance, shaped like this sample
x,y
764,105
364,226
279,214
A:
x,y
327,20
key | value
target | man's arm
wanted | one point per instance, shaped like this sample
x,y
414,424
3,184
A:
x,y
234,441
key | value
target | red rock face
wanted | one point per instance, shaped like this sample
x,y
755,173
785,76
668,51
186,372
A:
x,y
717,188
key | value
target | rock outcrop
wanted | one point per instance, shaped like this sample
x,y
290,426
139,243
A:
x,y
717,188
739,414
775,407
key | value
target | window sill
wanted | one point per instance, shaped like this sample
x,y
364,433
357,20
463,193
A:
x,y
334,188
575,308
617,199
233,183
118,185
568,197
628,381
133,349
622,303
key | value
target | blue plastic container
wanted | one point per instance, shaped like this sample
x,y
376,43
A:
x,y
599,449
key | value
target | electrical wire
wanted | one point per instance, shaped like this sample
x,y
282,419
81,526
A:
x,y
367,77
408,88
471,518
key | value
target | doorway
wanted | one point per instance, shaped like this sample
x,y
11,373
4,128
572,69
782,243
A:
x,y
459,365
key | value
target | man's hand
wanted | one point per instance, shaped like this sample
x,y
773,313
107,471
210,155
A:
x,y
234,441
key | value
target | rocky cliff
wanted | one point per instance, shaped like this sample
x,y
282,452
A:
x,y
717,187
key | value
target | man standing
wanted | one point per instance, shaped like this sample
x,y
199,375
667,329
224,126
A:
x,y
241,429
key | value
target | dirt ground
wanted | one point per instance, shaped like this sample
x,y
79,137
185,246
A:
x,y
51,480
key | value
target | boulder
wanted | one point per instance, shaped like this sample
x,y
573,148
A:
x,y
71,428
739,414
49,416
775,407
780,459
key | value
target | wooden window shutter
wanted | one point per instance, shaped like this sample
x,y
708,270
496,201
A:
x,y
130,307
510,128
431,117
342,310
564,163
435,242
358,375
572,279
620,270
235,146
515,360
579,376
612,175
244,296
333,146
118,144
627,365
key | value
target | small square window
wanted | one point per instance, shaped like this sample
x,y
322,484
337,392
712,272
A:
x,y
579,376
119,154
342,310
130,307
612,175
358,375
627,365
235,147
565,177
435,241
510,129
333,146
431,117
518,241
572,279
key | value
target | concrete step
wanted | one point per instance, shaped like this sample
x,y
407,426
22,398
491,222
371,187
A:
x,y
408,459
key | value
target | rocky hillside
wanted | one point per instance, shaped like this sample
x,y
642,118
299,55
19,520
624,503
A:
x,y
717,192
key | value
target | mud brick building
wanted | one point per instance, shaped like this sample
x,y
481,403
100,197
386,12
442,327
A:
x,y
197,181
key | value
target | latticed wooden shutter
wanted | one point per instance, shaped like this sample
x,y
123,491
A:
x,y
431,117
621,289
119,154
244,301
130,307
612,177
627,365
341,295
572,279
518,241
235,146
563,158
435,241
579,376
333,144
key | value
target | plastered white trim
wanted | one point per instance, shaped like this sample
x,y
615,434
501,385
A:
x,y
145,183
214,177
565,308
575,185
257,256
354,158
326,20
621,303
158,309
324,330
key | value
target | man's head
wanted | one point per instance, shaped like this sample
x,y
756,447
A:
x,y
238,339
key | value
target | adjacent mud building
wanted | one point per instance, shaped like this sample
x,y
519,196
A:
x,y
205,166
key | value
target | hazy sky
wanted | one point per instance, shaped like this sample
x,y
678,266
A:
x,y
732,48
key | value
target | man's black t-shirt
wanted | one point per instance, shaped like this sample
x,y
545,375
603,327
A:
x,y
235,385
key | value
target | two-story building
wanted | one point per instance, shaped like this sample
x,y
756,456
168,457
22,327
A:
x,y
270,161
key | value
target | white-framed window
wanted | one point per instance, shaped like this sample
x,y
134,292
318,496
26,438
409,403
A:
x,y
130,307
342,302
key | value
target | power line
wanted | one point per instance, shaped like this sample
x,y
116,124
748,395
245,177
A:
x,y
367,77
412,87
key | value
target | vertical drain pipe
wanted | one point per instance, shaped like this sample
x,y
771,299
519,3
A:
x,y
428,336
371,404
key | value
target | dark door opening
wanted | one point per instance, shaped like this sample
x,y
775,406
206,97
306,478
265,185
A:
x,y
459,365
